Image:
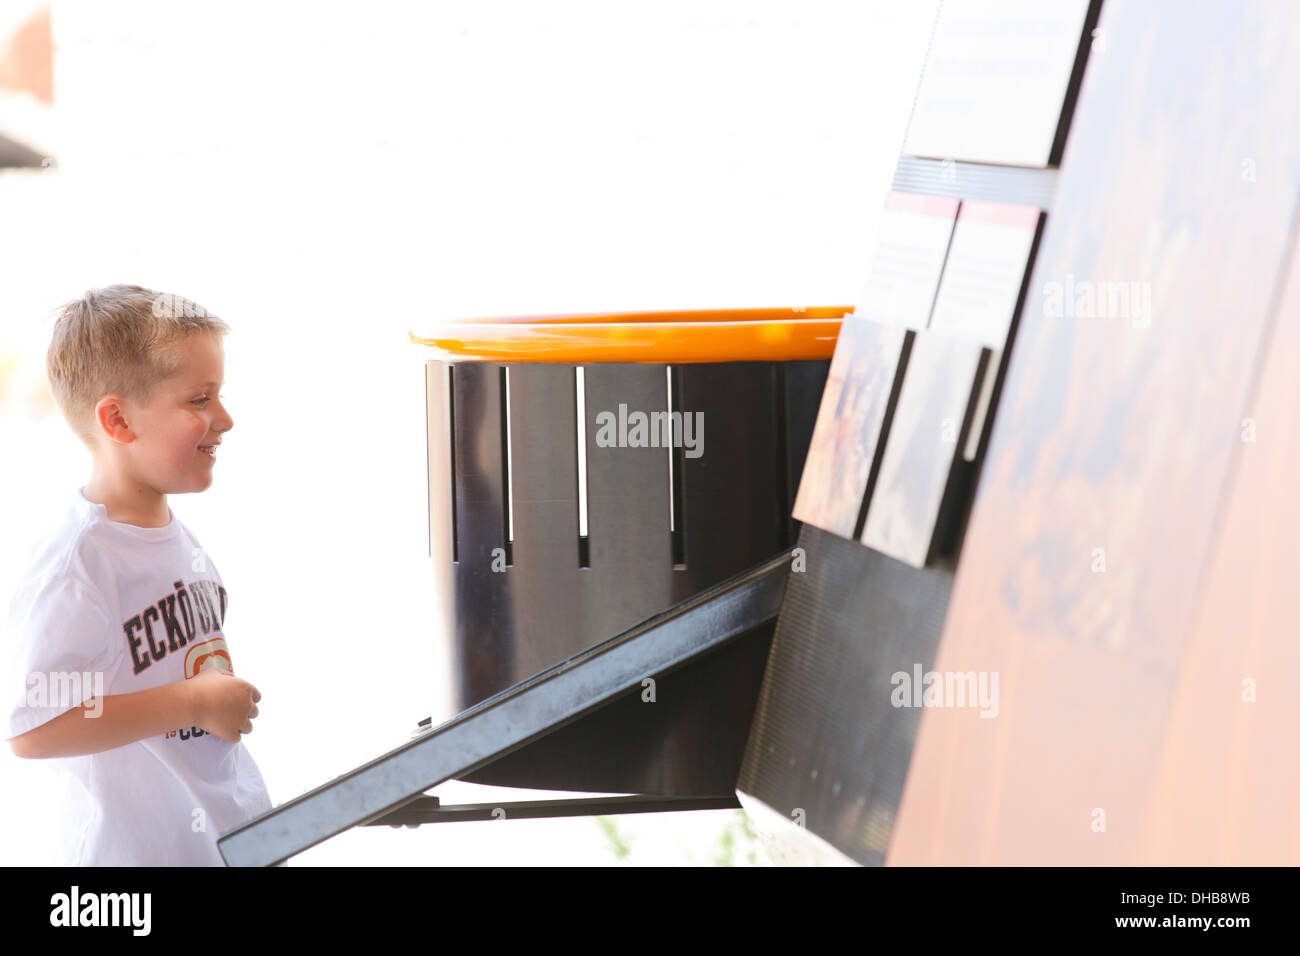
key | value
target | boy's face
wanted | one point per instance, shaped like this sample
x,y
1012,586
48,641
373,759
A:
x,y
161,441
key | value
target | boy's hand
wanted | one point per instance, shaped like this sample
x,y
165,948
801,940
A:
x,y
224,704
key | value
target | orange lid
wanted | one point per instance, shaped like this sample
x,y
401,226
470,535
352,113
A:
x,y
714,335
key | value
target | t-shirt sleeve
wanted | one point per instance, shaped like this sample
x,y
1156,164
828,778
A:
x,y
57,644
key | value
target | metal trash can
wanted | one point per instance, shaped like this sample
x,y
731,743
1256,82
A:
x,y
587,472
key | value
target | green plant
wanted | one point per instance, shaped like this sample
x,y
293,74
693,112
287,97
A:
x,y
619,844
738,836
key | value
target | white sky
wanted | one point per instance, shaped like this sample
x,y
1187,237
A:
x,y
326,176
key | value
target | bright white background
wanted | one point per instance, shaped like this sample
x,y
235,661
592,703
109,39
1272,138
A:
x,y
326,176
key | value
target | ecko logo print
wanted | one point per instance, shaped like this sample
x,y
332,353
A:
x,y
174,620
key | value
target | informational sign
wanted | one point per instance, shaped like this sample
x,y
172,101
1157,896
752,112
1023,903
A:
x,y
914,233
985,271
850,424
995,81
925,441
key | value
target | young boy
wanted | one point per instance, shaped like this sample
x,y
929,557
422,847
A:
x,y
116,630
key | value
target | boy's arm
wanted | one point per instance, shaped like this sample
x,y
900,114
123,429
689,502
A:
x,y
215,700
107,722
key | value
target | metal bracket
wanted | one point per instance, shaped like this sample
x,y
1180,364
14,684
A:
x,y
501,724
430,810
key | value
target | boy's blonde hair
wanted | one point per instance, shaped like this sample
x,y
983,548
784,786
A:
x,y
117,340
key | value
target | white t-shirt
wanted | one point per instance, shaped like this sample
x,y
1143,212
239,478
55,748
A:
x,y
113,608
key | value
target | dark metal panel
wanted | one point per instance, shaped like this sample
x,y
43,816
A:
x,y
544,470
512,621
628,513
733,506
826,739
485,646
728,518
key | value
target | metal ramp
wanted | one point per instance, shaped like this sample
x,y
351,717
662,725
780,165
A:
x,y
390,789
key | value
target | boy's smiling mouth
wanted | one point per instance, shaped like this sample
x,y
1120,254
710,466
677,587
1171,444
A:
x,y
210,450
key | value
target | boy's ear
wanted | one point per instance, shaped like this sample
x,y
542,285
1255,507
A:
x,y
111,419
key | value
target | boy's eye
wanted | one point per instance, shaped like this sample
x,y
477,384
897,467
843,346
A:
x,y
198,401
